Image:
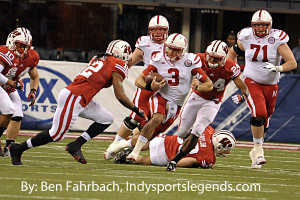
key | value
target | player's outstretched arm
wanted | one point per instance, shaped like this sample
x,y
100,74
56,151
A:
x,y
122,97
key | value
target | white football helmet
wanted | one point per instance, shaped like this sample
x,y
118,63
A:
x,y
224,142
175,47
119,49
158,29
216,54
261,23
19,41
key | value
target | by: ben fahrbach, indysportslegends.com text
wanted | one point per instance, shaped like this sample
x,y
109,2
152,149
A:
x,y
92,186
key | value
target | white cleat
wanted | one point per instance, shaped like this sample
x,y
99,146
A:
x,y
114,149
131,158
253,164
257,157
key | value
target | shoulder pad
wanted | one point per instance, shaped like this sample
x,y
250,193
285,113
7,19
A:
x,y
244,33
280,35
157,56
142,41
34,55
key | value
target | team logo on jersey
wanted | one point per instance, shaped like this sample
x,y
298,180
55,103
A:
x,y
188,63
271,40
42,112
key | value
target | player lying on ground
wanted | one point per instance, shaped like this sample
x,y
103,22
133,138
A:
x,y
163,148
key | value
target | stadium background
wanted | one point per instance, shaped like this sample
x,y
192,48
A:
x,y
73,31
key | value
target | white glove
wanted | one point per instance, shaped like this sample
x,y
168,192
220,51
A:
x,y
239,98
273,68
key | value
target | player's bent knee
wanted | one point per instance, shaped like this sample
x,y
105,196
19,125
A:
x,y
130,123
17,119
257,121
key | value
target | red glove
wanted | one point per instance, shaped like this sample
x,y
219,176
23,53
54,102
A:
x,y
9,89
32,97
19,85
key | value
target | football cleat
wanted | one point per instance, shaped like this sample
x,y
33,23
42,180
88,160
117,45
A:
x,y
121,157
131,159
171,166
75,151
114,149
1,152
253,164
14,154
6,152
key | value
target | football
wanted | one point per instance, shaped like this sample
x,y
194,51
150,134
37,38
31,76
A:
x,y
150,77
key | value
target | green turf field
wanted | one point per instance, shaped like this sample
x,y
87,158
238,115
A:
x,y
52,173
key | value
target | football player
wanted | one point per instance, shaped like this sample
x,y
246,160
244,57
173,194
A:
x,y
16,59
163,148
76,100
201,108
263,48
178,68
146,46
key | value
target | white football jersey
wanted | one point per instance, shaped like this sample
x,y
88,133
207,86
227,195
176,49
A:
x,y
145,44
259,51
178,75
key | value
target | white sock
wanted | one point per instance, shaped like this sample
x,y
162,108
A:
x,y
258,142
139,145
117,139
85,136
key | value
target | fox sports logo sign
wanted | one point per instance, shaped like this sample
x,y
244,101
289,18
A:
x,y
40,115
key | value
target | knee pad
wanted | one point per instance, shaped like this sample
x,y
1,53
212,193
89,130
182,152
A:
x,y
16,119
130,123
257,121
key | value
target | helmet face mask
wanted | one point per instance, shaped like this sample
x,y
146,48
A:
x,y
223,142
175,47
120,49
261,23
158,29
19,41
216,54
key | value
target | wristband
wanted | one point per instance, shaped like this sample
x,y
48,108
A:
x,y
148,86
136,109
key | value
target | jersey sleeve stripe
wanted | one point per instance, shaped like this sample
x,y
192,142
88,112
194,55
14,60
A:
x,y
197,60
281,33
6,59
284,37
122,69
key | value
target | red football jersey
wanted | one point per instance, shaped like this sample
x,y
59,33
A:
x,y
220,78
203,152
15,68
97,75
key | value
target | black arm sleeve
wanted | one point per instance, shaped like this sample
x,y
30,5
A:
x,y
238,51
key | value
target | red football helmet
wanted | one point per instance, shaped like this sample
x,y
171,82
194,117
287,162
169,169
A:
x,y
158,29
216,54
19,41
261,23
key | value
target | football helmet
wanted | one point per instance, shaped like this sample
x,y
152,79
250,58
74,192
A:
x,y
261,23
119,49
19,41
158,29
216,54
175,47
224,142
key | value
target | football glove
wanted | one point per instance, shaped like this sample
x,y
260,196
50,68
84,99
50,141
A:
x,y
9,89
273,68
237,99
32,97
139,112
171,167
19,85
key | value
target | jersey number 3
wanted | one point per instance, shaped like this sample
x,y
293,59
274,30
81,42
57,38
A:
x,y
257,49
